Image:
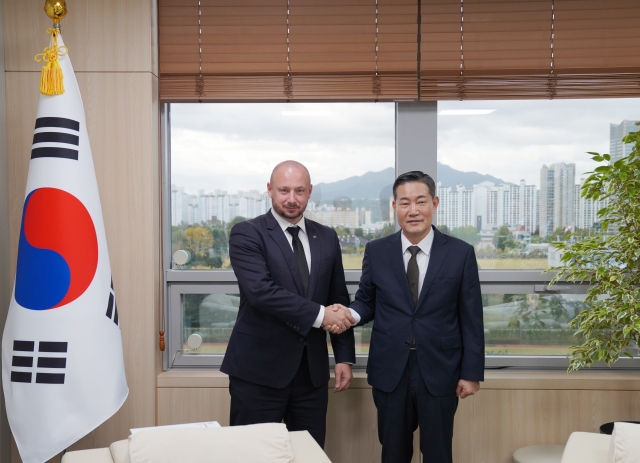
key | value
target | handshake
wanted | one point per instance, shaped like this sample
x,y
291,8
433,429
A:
x,y
337,319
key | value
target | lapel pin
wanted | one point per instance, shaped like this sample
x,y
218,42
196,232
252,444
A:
x,y
314,236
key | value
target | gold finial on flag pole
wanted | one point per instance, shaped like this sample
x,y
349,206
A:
x,y
55,9
51,80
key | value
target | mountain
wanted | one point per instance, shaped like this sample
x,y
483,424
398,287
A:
x,y
369,185
452,177
378,184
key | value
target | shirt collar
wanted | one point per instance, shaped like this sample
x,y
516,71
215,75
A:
x,y
424,245
284,224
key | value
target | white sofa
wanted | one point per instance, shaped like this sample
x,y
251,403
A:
x,y
208,445
586,447
621,447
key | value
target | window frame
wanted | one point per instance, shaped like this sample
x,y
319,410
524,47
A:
x,y
416,149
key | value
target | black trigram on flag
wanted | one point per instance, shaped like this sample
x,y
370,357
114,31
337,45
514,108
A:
x,y
48,358
112,307
56,137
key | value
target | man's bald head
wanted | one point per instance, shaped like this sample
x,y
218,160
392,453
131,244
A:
x,y
289,189
289,166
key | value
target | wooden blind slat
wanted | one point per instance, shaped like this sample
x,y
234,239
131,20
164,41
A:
x,y
506,49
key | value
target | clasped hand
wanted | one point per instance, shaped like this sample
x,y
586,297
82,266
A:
x,y
337,319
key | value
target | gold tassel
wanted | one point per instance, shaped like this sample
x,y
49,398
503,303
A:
x,y
51,79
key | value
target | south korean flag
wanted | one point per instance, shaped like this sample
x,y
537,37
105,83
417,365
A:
x,y
62,360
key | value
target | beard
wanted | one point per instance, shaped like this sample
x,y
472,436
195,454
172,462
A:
x,y
287,215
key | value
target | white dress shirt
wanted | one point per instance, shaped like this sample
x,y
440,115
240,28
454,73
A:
x,y
422,257
304,239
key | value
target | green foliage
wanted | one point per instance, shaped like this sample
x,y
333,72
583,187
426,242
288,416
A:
x,y
234,221
541,312
468,234
444,229
609,262
503,239
388,230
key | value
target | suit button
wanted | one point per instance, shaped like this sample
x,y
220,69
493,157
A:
x,y
301,339
415,319
407,343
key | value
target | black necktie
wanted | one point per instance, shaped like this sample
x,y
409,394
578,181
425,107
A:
x,y
301,259
413,273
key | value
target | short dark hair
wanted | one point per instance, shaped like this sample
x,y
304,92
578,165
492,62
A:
x,y
415,176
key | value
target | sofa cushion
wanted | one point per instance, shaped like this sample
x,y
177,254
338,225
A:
x,y
120,451
586,447
88,456
625,443
539,454
265,443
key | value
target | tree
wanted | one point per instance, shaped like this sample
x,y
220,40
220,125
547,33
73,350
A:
x,y
388,230
197,240
235,220
503,239
559,234
359,232
468,234
609,262
444,229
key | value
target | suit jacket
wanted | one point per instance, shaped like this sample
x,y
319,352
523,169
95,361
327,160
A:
x,y
275,319
447,321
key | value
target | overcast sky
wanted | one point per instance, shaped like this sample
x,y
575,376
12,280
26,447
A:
x,y
235,146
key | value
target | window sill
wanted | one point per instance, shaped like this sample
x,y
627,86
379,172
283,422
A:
x,y
494,380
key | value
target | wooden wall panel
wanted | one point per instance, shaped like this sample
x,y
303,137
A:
x,y
111,46
102,36
193,405
5,284
512,410
505,420
124,146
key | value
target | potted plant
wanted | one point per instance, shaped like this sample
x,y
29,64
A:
x,y
610,323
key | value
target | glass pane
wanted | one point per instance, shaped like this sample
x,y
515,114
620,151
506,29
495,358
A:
x,y
222,156
509,173
211,316
530,324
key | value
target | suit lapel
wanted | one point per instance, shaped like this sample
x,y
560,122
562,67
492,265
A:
x,y
277,235
439,250
397,266
316,248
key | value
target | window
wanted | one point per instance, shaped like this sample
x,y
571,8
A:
x,y
508,174
222,156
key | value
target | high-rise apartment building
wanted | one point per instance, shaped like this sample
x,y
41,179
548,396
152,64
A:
x,y
557,194
586,210
617,149
487,206
216,206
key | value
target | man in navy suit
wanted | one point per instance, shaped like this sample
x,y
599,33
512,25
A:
x,y
422,290
290,274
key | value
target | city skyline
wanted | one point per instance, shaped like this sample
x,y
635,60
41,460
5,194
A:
x,y
485,206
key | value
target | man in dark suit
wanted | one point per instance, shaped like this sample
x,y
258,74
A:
x,y
422,290
290,274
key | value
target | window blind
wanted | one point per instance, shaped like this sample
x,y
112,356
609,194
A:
x,y
385,50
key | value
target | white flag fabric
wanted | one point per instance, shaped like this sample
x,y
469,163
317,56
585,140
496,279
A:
x,y
62,360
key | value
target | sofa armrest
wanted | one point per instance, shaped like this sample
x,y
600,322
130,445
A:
x,y
306,449
88,456
120,451
586,447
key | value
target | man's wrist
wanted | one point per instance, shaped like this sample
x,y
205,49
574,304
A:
x,y
319,318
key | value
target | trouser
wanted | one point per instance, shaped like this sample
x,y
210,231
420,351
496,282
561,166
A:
x,y
409,405
301,405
